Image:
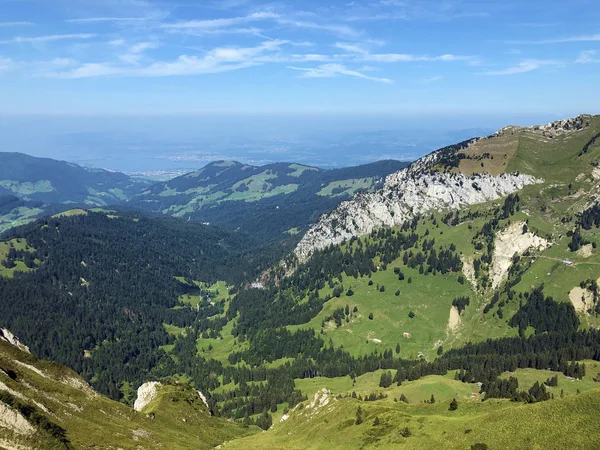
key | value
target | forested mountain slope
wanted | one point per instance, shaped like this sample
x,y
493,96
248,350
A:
x,y
271,201
92,290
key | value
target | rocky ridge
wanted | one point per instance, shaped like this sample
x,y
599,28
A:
x,y
552,129
423,188
405,195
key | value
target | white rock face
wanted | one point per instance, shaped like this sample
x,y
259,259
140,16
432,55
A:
x,y
14,421
7,336
203,398
406,194
509,242
145,394
454,319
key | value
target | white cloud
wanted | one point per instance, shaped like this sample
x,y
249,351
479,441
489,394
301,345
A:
x,y
49,38
16,24
6,64
135,53
562,40
341,30
220,59
404,57
335,70
581,38
525,66
350,48
358,53
587,57
215,24
142,46
310,57
220,31
117,42
108,19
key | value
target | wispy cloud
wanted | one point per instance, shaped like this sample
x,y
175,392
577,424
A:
x,y
588,57
220,59
388,10
432,79
342,30
135,53
232,24
525,66
214,24
560,40
351,48
16,24
359,53
6,64
107,19
335,70
48,38
403,57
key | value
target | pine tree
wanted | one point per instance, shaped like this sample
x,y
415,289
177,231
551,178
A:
x,y
453,405
386,380
359,416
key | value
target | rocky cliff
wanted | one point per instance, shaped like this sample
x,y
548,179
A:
x,y
412,191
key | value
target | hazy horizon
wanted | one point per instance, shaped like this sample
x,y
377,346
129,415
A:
x,y
154,143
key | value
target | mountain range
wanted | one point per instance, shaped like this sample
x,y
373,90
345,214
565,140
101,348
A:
x,y
453,303
226,193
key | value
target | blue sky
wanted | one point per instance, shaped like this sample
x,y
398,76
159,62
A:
x,y
340,57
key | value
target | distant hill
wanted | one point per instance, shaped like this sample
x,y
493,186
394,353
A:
x,y
51,181
30,187
268,200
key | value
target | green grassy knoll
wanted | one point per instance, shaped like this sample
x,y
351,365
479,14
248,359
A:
x,y
18,245
566,385
441,387
499,424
